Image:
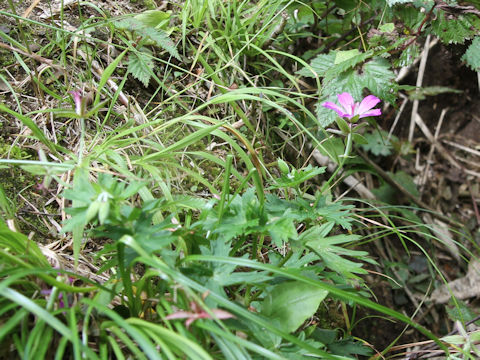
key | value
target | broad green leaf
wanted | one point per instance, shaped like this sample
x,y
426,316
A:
x,y
289,304
387,28
320,65
378,143
153,18
472,55
341,56
282,230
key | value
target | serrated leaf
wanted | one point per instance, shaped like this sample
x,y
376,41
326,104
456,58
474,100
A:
x,y
331,254
453,30
342,56
160,37
472,55
319,64
162,40
140,65
289,304
379,79
346,64
378,143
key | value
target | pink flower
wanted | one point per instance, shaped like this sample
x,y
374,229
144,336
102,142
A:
x,y
349,108
78,99
198,313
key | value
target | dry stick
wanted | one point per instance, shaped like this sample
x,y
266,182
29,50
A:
x,y
404,191
405,100
421,72
32,56
432,149
442,151
27,12
462,147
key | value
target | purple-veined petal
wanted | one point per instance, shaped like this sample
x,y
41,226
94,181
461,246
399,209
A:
x,y
346,100
367,103
374,112
333,106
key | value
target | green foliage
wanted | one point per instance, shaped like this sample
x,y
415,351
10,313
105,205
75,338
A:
x,y
142,25
472,55
144,28
344,76
455,29
378,143
140,65
289,304
187,241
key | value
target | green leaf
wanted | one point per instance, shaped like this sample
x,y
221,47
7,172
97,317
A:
x,y
297,177
378,143
153,18
359,139
349,347
282,230
379,79
341,56
331,254
140,65
160,37
421,93
472,55
289,304
162,40
320,65
107,74
387,28
454,30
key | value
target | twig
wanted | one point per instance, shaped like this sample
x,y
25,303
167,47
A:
x,y
32,56
404,191
405,100
432,149
27,12
421,72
